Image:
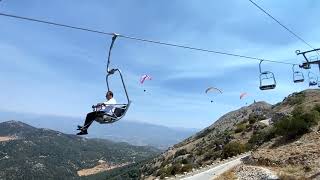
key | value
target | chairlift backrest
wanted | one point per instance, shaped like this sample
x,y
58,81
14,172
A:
x,y
313,80
265,75
297,75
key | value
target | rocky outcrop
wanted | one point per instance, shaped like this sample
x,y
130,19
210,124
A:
x,y
303,154
244,172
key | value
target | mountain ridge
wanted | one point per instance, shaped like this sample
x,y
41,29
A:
x,y
235,132
39,153
135,133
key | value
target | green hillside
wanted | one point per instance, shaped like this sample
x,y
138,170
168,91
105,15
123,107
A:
x,y
46,154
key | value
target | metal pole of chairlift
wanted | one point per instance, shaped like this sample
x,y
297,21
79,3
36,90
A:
x,y
260,66
293,71
114,37
304,52
111,71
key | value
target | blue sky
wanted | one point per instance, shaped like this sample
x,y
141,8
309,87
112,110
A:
x,y
51,70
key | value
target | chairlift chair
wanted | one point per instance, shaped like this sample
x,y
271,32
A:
x,y
266,75
313,80
305,65
298,76
120,110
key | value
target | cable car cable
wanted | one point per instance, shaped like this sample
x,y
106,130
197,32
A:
x,y
145,40
290,31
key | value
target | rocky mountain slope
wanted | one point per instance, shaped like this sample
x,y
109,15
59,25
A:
x,y
27,152
300,158
229,120
247,128
296,159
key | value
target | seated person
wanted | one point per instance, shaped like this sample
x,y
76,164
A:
x,y
104,108
312,83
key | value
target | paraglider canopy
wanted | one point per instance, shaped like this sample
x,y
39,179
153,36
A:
x,y
213,89
143,78
242,95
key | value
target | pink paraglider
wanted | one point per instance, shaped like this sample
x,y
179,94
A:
x,y
242,95
144,77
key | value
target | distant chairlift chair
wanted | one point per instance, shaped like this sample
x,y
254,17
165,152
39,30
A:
x,y
313,79
264,76
298,76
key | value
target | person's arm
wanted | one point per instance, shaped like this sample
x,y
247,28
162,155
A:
x,y
99,105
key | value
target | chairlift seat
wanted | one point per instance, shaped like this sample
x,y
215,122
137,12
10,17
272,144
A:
x,y
265,75
267,87
313,83
313,80
298,80
118,113
298,76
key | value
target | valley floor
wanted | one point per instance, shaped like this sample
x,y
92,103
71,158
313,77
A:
x,y
103,166
7,138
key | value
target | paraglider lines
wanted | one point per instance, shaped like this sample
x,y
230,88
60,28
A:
x,y
144,40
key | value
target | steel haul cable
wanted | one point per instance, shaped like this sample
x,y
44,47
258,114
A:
x,y
282,25
143,40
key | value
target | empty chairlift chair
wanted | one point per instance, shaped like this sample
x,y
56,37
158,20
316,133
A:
x,y
313,79
298,76
267,79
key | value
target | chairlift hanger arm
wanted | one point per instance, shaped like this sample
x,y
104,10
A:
x,y
260,66
112,71
114,37
122,80
298,52
306,65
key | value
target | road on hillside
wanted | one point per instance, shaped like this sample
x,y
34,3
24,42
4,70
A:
x,y
217,170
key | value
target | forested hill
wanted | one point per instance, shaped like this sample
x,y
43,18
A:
x,y
27,152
